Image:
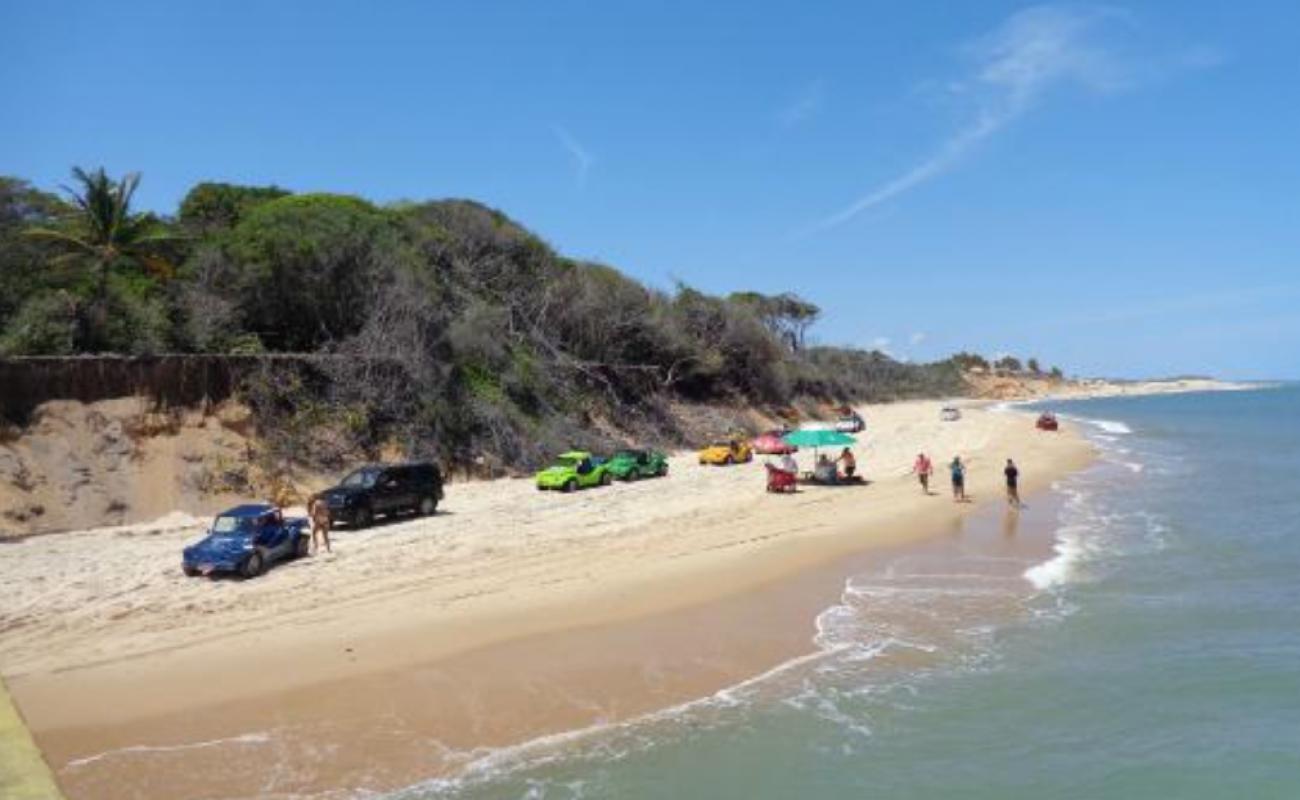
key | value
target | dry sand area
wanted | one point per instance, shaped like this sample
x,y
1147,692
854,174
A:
x,y
100,633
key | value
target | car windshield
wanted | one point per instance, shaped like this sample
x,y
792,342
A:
x,y
632,454
227,524
567,461
361,479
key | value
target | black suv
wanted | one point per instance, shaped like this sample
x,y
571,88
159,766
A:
x,y
384,489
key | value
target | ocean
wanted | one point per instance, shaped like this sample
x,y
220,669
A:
x,y
1153,651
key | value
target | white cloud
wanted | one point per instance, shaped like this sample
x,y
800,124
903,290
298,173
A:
x,y
881,343
582,159
916,338
803,107
1033,52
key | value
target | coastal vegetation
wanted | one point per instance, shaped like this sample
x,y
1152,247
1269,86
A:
x,y
443,324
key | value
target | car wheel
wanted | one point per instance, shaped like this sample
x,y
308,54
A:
x,y
663,470
727,459
428,505
189,571
570,485
302,547
363,517
252,566
604,479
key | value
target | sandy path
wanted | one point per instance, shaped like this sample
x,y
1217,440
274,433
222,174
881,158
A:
x,y
107,613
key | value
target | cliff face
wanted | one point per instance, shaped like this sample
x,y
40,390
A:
x,y
115,461
123,461
1014,386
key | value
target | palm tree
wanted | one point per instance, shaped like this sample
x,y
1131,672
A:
x,y
105,234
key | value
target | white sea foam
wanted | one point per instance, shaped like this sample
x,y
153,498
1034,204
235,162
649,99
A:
x,y
1111,426
1059,568
245,738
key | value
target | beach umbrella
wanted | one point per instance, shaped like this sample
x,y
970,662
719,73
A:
x,y
817,438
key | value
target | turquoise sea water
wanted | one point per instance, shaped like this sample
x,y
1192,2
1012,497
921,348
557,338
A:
x,y
1157,655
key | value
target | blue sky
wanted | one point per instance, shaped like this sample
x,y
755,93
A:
x,y
1114,188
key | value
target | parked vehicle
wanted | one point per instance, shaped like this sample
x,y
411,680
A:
x,y
849,420
772,443
850,423
575,469
1047,422
727,451
950,414
371,491
631,465
246,540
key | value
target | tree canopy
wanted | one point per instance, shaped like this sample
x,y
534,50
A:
x,y
459,329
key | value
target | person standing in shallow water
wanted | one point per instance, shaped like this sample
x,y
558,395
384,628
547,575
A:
x,y
1013,484
958,471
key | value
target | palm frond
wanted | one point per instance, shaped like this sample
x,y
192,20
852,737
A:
x,y
52,235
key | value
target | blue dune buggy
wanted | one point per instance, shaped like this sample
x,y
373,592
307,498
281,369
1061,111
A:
x,y
246,540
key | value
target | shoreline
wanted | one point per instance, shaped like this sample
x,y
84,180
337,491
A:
x,y
719,537
728,549
494,704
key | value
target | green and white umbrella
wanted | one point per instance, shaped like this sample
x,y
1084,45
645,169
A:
x,y
817,438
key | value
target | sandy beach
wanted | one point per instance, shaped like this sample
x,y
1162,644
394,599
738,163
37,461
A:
x,y
106,645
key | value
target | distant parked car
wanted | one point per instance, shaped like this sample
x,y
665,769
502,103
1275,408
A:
x,y
851,423
950,414
727,451
631,465
576,469
384,489
1047,422
773,443
246,540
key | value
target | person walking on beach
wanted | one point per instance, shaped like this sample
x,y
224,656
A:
x,y
958,471
1013,481
922,469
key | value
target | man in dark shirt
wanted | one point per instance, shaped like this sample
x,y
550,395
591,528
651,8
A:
x,y
1013,483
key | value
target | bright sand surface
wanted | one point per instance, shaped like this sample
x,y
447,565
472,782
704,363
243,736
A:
x,y
511,614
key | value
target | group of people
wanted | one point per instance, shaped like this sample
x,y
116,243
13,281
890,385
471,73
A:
x,y
825,470
828,471
923,468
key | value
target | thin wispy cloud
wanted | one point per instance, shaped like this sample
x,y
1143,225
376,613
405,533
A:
x,y
916,338
804,107
1011,69
581,157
